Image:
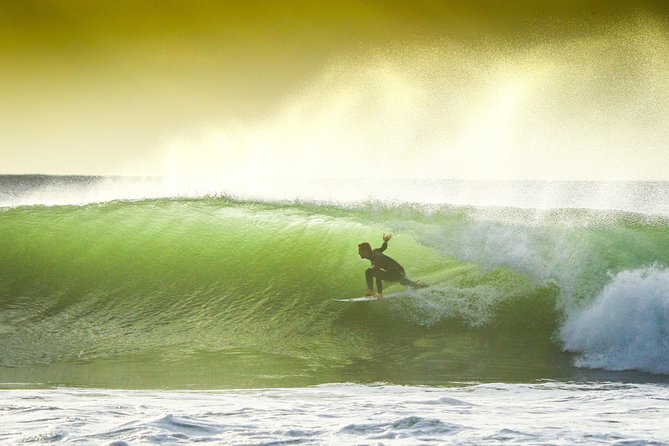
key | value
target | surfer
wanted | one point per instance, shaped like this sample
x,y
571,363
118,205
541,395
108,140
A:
x,y
383,268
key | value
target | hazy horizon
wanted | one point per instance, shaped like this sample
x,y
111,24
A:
x,y
487,90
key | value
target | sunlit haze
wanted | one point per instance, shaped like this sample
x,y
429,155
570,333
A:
x,y
538,90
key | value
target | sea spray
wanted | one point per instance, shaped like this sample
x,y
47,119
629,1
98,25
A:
x,y
626,326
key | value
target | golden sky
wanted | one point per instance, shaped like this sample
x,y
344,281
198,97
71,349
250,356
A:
x,y
476,89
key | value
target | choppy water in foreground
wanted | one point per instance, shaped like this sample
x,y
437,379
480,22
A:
x,y
548,413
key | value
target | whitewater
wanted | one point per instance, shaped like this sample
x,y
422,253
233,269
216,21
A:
x,y
148,311
548,413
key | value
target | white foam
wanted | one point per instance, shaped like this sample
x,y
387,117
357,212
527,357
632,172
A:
x,y
641,197
472,306
627,325
549,413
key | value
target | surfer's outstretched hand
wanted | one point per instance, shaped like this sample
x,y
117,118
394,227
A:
x,y
386,237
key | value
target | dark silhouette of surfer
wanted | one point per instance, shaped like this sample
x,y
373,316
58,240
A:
x,y
383,268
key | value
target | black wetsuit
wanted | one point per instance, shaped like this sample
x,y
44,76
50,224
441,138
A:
x,y
384,268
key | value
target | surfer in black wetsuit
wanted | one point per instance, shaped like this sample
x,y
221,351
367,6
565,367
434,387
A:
x,y
383,268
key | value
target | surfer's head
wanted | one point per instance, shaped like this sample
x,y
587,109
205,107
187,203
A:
x,y
364,249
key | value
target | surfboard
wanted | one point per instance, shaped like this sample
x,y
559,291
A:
x,y
360,299
371,298
395,291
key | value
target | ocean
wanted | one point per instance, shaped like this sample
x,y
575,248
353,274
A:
x,y
154,311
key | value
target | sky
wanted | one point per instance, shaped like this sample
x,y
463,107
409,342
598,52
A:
x,y
548,90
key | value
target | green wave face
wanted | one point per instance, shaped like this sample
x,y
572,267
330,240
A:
x,y
211,293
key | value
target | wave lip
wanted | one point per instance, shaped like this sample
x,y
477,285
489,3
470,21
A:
x,y
627,325
644,197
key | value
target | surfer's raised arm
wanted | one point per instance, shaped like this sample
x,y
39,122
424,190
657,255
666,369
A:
x,y
383,247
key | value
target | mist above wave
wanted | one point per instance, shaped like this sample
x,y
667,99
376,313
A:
x,y
641,197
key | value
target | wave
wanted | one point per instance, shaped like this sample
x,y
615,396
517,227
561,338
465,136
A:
x,y
169,278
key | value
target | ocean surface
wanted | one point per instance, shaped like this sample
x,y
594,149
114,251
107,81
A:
x,y
148,311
